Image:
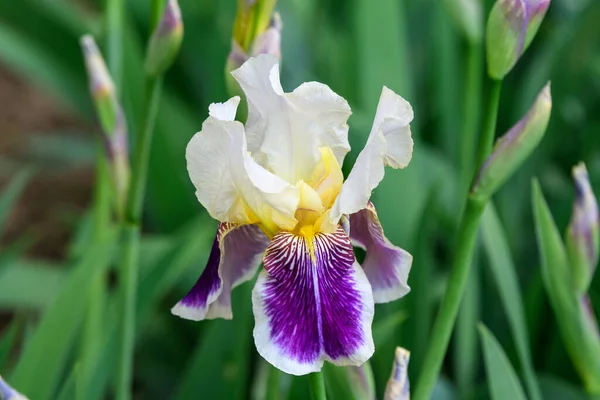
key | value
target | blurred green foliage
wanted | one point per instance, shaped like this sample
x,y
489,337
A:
x,y
412,46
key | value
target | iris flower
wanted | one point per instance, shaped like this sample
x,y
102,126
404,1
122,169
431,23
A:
x,y
277,189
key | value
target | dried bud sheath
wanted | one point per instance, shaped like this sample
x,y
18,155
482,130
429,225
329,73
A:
x,y
398,387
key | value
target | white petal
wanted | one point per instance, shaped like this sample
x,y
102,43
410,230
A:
x,y
285,130
230,184
389,144
224,111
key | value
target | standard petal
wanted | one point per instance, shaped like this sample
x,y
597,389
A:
x,y
386,266
312,303
236,255
389,144
229,183
286,130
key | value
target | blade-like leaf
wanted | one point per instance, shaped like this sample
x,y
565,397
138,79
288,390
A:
x,y
580,337
43,283
7,342
502,379
11,193
54,336
505,277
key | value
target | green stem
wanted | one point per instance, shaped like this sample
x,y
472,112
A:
x,y
489,123
135,196
273,392
131,232
115,15
317,386
471,113
449,308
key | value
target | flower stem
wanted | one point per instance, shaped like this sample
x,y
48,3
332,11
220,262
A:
x,y
273,380
449,308
489,124
471,113
317,386
115,10
131,237
462,261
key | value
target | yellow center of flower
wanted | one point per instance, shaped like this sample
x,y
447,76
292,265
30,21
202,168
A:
x,y
315,200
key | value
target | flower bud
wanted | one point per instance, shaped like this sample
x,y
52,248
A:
x,y
8,393
266,42
514,147
582,234
398,387
468,15
511,26
165,41
111,116
252,19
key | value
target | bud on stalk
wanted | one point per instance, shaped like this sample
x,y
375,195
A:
x,y
111,116
511,26
165,40
514,147
582,234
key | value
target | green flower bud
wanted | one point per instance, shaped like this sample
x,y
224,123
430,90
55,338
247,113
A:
x,y
511,26
514,147
111,116
165,41
582,234
468,15
398,387
252,19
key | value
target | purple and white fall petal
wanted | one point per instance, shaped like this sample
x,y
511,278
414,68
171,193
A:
x,y
386,266
235,256
312,305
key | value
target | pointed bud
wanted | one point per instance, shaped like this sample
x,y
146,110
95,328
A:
x,y
8,393
165,41
111,116
468,15
582,234
266,42
514,147
398,387
511,26
252,19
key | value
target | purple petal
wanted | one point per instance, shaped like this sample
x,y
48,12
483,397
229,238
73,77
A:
x,y
312,307
234,258
386,266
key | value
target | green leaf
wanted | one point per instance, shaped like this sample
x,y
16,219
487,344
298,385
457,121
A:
x,y
556,389
506,279
578,331
11,193
72,388
351,383
44,282
54,336
225,347
7,342
502,379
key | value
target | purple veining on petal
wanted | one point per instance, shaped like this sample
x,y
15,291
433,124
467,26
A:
x,y
386,266
242,250
315,309
234,258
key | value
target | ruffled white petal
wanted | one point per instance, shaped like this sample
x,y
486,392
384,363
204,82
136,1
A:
x,y
389,144
286,130
229,183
